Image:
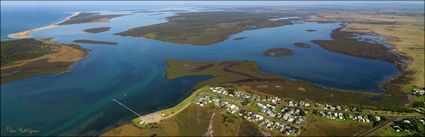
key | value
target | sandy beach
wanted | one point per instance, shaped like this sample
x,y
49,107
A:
x,y
27,33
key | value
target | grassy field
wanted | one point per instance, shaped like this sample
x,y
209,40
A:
x,y
192,121
189,119
205,28
320,126
169,112
246,74
387,130
29,57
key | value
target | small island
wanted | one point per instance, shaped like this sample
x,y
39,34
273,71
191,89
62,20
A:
x,y
88,41
301,45
30,57
240,38
278,52
97,30
311,30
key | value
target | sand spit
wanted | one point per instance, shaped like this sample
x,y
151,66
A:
x,y
27,34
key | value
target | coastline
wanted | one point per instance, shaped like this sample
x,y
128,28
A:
x,y
27,33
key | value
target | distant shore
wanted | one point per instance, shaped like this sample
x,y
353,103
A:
x,y
26,34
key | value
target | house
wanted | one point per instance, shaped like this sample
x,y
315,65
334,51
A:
x,y
286,116
418,92
377,118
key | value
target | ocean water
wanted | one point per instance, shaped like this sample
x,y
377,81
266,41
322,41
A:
x,y
79,102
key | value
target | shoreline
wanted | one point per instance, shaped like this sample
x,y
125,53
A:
x,y
27,33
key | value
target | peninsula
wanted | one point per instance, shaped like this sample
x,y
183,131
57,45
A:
x,y
29,57
27,33
76,18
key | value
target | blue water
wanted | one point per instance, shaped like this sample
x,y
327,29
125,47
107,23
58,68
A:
x,y
133,71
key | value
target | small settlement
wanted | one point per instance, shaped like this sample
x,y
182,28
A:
x,y
285,116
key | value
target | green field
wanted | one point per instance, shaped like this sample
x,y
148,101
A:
x,y
320,126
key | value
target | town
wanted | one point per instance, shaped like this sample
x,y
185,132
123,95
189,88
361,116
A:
x,y
288,116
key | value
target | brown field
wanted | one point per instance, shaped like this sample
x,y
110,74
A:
x,y
320,126
192,121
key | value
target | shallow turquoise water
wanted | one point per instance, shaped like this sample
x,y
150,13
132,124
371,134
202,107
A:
x,y
133,72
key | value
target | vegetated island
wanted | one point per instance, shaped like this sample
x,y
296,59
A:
x,y
310,30
278,52
88,41
240,38
240,100
97,30
29,57
205,28
301,45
